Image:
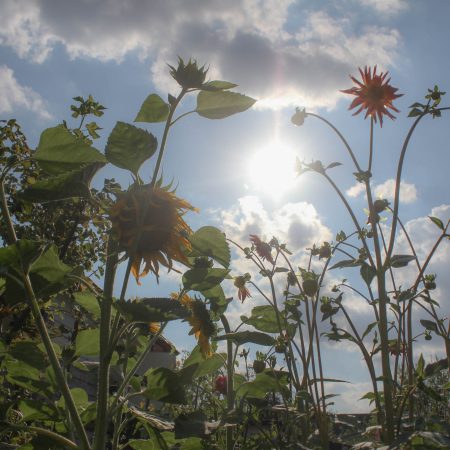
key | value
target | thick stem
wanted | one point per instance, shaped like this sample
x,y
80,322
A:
x,y
101,423
388,426
173,107
230,387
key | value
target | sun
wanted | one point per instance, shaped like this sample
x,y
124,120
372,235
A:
x,y
272,169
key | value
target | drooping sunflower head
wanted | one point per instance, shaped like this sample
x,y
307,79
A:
x,y
202,327
149,225
374,94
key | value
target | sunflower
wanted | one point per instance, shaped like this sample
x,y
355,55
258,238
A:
x,y
373,93
148,222
200,321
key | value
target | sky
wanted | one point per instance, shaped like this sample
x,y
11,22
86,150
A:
x,y
285,54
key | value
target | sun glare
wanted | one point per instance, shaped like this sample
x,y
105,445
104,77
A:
x,y
272,169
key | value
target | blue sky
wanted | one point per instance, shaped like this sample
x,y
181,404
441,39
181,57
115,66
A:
x,y
284,53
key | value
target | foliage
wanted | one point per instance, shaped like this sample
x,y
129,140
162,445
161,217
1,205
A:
x,y
72,354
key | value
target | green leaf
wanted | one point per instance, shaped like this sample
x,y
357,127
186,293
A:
x,y
369,329
437,222
154,109
47,273
368,273
429,440
263,318
191,443
210,241
80,399
217,300
210,365
37,410
244,337
191,425
60,151
88,343
221,104
151,309
420,368
203,279
401,260
88,301
164,385
128,146
430,325
74,183
332,165
346,263
263,383
217,85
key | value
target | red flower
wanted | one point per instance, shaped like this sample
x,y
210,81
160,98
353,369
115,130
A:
x,y
220,384
243,292
373,93
263,249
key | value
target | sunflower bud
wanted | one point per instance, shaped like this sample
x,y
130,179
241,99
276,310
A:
x,y
189,75
380,205
299,117
310,287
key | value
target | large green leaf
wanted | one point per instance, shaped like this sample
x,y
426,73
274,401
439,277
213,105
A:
x,y
203,279
262,384
128,146
263,318
37,410
80,399
209,365
221,104
244,337
88,342
47,273
154,109
88,301
164,385
210,241
60,151
74,183
151,309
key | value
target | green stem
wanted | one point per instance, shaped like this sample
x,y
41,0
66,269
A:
x,y
347,146
230,388
11,237
134,369
173,107
101,423
388,425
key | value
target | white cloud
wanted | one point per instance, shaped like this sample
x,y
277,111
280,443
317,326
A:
x,y
243,41
408,191
386,7
14,95
386,190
